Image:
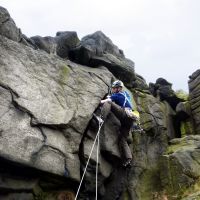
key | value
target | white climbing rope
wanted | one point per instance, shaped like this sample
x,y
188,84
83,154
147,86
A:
x,y
97,137
97,164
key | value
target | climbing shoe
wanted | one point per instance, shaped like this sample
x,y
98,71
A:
x,y
127,163
137,128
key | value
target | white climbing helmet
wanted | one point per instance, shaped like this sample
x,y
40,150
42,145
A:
x,y
117,83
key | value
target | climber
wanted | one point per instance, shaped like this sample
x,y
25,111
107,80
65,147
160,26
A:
x,y
119,104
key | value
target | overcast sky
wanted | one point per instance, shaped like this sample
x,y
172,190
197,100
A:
x,y
160,36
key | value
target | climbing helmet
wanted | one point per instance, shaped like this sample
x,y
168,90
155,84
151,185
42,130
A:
x,y
117,83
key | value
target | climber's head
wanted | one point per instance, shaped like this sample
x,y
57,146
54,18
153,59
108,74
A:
x,y
117,86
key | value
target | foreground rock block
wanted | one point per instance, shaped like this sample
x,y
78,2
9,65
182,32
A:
x,y
180,168
194,98
44,109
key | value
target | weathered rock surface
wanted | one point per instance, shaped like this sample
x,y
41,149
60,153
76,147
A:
x,y
47,129
156,116
148,146
180,168
60,45
140,83
163,89
8,27
194,96
47,92
93,50
97,49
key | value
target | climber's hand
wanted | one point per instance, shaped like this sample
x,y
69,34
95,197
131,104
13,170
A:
x,y
105,100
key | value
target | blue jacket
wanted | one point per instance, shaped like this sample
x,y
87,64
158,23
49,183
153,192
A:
x,y
122,99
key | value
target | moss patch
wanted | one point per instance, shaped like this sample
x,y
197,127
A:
x,y
182,94
186,128
63,74
125,196
179,175
150,184
41,196
180,144
192,190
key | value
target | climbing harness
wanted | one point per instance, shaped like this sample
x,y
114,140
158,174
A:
x,y
129,112
134,114
96,138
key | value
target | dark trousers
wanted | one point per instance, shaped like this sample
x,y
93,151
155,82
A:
x,y
126,125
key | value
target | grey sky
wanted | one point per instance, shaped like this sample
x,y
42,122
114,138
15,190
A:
x,y
160,36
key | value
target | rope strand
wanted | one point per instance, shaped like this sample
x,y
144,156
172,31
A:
x,y
97,166
97,136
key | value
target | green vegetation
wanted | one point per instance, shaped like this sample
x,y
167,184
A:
x,y
194,189
186,128
41,196
178,185
64,74
182,94
150,184
179,144
125,195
